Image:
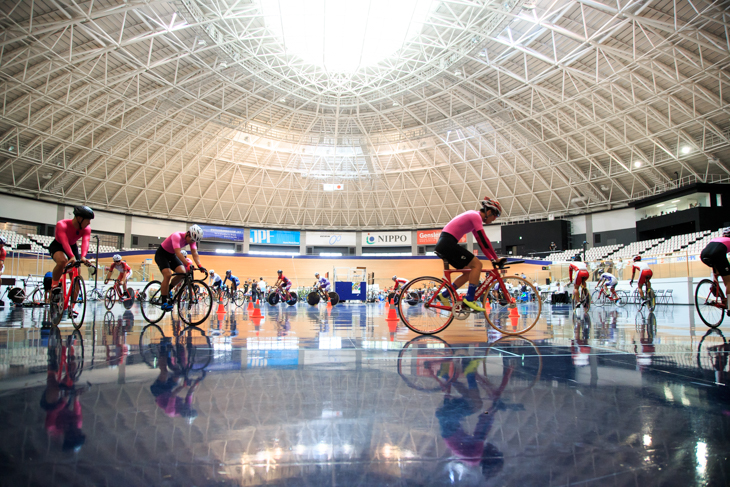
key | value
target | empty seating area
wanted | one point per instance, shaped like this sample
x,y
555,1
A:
x,y
40,243
635,248
697,246
677,243
598,253
14,239
564,255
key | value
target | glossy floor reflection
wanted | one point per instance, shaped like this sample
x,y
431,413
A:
x,y
313,396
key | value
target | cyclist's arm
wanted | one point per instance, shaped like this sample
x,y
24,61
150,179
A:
x,y
224,281
109,274
196,258
633,271
85,239
570,274
485,245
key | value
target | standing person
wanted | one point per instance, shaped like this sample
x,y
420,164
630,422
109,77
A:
x,y
553,247
254,290
63,249
47,282
645,274
169,260
449,249
262,288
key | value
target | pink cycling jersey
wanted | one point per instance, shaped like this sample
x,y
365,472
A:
x,y
66,235
177,241
723,240
471,221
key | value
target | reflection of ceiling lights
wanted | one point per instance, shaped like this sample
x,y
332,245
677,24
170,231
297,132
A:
x,y
344,36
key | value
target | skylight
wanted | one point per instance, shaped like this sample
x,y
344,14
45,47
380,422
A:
x,y
344,36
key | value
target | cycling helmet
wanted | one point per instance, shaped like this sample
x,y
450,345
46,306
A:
x,y
726,232
395,277
316,274
279,271
637,258
228,272
196,233
3,241
491,204
117,258
84,211
212,272
184,253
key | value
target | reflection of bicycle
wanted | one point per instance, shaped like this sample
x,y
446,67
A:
x,y
710,301
279,295
318,294
584,298
189,354
67,355
72,299
713,352
503,311
193,306
649,297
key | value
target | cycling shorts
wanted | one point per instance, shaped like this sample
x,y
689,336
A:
x,y
715,256
581,278
124,276
286,287
326,288
449,249
166,260
56,246
612,283
645,275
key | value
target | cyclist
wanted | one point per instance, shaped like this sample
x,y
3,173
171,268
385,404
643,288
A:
x,y
610,281
188,263
581,277
215,280
644,275
63,249
283,283
322,283
169,259
714,255
399,282
124,271
449,249
234,281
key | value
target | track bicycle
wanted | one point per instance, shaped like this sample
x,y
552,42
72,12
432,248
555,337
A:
x,y
192,299
713,355
73,298
502,310
584,298
602,297
279,295
225,295
649,297
20,297
710,301
115,293
317,294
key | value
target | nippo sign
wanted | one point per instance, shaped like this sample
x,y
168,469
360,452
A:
x,y
431,237
386,239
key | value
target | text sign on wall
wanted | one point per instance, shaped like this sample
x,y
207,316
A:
x,y
223,233
431,237
330,239
274,237
386,239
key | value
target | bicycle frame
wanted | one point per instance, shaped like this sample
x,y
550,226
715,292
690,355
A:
x,y
492,275
72,273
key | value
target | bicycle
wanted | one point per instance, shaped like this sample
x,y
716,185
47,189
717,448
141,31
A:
x,y
649,297
72,300
318,294
278,295
501,309
602,297
115,293
192,349
193,298
20,297
584,298
715,358
710,301
225,294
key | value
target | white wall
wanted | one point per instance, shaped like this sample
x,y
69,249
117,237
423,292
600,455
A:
x,y
614,220
23,209
494,232
577,224
155,228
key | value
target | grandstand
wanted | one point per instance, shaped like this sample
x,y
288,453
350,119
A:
x,y
40,243
14,239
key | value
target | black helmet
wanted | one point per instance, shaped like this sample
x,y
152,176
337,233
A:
x,y
84,211
577,258
637,258
228,272
279,271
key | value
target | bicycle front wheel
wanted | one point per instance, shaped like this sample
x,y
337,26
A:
x,y
151,301
239,298
623,298
109,298
709,305
652,299
77,303
431,316
37,297
599,298
194,308
506,314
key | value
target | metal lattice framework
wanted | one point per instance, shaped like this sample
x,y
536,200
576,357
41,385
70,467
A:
x,y
192,110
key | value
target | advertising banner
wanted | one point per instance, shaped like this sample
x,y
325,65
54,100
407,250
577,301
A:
x,y
330,239
223,233
274,237
431,237
386,239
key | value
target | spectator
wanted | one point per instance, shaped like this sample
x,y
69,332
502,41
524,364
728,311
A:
x,y
553,247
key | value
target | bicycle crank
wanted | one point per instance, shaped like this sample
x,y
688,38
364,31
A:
x,y
460,311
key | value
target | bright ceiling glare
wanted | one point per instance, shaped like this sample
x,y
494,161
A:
x,y
344,36
675,201
637,164
686,149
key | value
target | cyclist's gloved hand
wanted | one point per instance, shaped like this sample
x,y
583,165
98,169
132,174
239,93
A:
x,y
203,269
631,282
499,263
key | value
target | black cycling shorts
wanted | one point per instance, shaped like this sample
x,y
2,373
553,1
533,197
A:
x,y
449,249
56,246
715,256
47,283
166,260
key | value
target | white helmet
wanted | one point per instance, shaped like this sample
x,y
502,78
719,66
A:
x,y
117,258
196,233
184,253
316,274
395,277
212,272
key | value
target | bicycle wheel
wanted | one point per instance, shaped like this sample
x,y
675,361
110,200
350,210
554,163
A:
x,y
652,299
505,314
426,363
239,298
224,296
77,303
56,307
431,316
110,322
313,298
623,299
515,360
273,299
334,297
709,305
109,298
37,297
149,344
150,302
585,299
75,355
599,298
293,298
194,308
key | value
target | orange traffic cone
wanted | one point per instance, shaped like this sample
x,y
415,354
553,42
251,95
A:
x,y
392,315
221,307
514,312
250,306
256,311
386,304
487,307
329,303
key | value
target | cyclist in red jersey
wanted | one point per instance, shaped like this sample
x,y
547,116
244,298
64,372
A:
x,y
169,260
581,276
63,249
124,271
448,248
188,263
644,274
399,283
282,282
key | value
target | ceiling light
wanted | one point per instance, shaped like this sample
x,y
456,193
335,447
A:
x,y
675,201
637,164
686,149
223,65
283,100
201,42
345,36
47,175
457,72
395,103
660,205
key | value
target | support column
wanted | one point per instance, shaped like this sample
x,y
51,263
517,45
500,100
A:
x,y
127,242
302,243
589,230
246,239
414,242
60,212
358,243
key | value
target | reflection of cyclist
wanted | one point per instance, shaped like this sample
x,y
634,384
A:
x,y
166,388
644,274
457,256
646,339
581,349
581,277
714,255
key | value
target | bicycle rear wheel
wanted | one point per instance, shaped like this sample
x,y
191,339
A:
x,y
426,363
75,355
334,297
427,317
77,303
623,298
150,301
505,314
194,308
652,299
709,305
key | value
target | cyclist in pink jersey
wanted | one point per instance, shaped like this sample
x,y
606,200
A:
x,y
63,249
448,247
169,259
714,255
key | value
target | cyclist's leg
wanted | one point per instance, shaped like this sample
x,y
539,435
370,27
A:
x,y
61,260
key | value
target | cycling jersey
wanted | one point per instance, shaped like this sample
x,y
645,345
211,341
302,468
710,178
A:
x,y
284,280
176,241
644,272
66,235
217,281
399,282
324,282
471,221
122,267
581,271
610,279
714,255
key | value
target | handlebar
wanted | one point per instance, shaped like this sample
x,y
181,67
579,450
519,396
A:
x,y
77,264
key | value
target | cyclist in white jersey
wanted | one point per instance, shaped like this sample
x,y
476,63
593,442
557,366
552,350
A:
x,y
610,281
